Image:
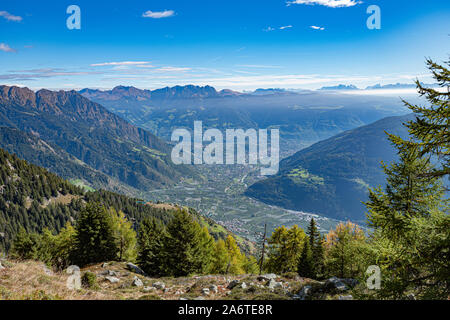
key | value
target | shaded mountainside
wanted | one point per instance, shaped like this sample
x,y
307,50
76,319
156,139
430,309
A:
x,y
332,176
33,198
92,134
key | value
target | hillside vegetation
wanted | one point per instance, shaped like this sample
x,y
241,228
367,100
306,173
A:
x,y
34,199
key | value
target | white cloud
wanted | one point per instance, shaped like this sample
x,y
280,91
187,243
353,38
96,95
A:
x,y
327,3
173,69
268,29
4,47
121,63
8,16
158,14
260,66
317,28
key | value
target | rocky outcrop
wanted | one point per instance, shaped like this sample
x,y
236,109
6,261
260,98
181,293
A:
x,y
267,277
112,279
137,282
233,284
159,285
331,286
134,268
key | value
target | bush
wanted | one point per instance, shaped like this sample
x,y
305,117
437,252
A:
x,y
89,280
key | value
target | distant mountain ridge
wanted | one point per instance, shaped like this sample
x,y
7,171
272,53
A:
x,y
261,91
303,117
378,86
176,92
341,87
90,133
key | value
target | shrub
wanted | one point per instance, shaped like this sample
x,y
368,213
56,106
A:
x,y
89,280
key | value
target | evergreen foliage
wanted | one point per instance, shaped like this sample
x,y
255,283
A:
x,y
94,236
430,127
306,263
183,245
410,217
150,245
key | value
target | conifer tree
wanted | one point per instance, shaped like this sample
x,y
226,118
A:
x,y
410,220
409,193
25,245
306,265
205,251
313,233
183,245
95,241
343,247
316,245
429,131
285,248
63,246
150,247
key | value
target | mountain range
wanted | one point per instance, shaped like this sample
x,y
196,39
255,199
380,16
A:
x,y
177,92
303,118
74,136
378,86
90,136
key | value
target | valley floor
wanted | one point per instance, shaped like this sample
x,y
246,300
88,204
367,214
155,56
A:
x,y
220,197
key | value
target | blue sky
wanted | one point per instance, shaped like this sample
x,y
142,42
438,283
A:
x,y
241,45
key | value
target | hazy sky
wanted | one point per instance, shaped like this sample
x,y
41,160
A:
x,y
240,45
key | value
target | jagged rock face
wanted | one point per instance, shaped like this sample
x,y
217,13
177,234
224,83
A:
x,y
73,107
92,134
16,95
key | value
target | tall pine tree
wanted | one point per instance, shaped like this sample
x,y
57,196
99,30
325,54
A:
x,y
316,247
430,129
151,239
306,265
410,220
94,238
183,246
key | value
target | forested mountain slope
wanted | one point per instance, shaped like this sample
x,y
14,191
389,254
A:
x,y
332,176
33,198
